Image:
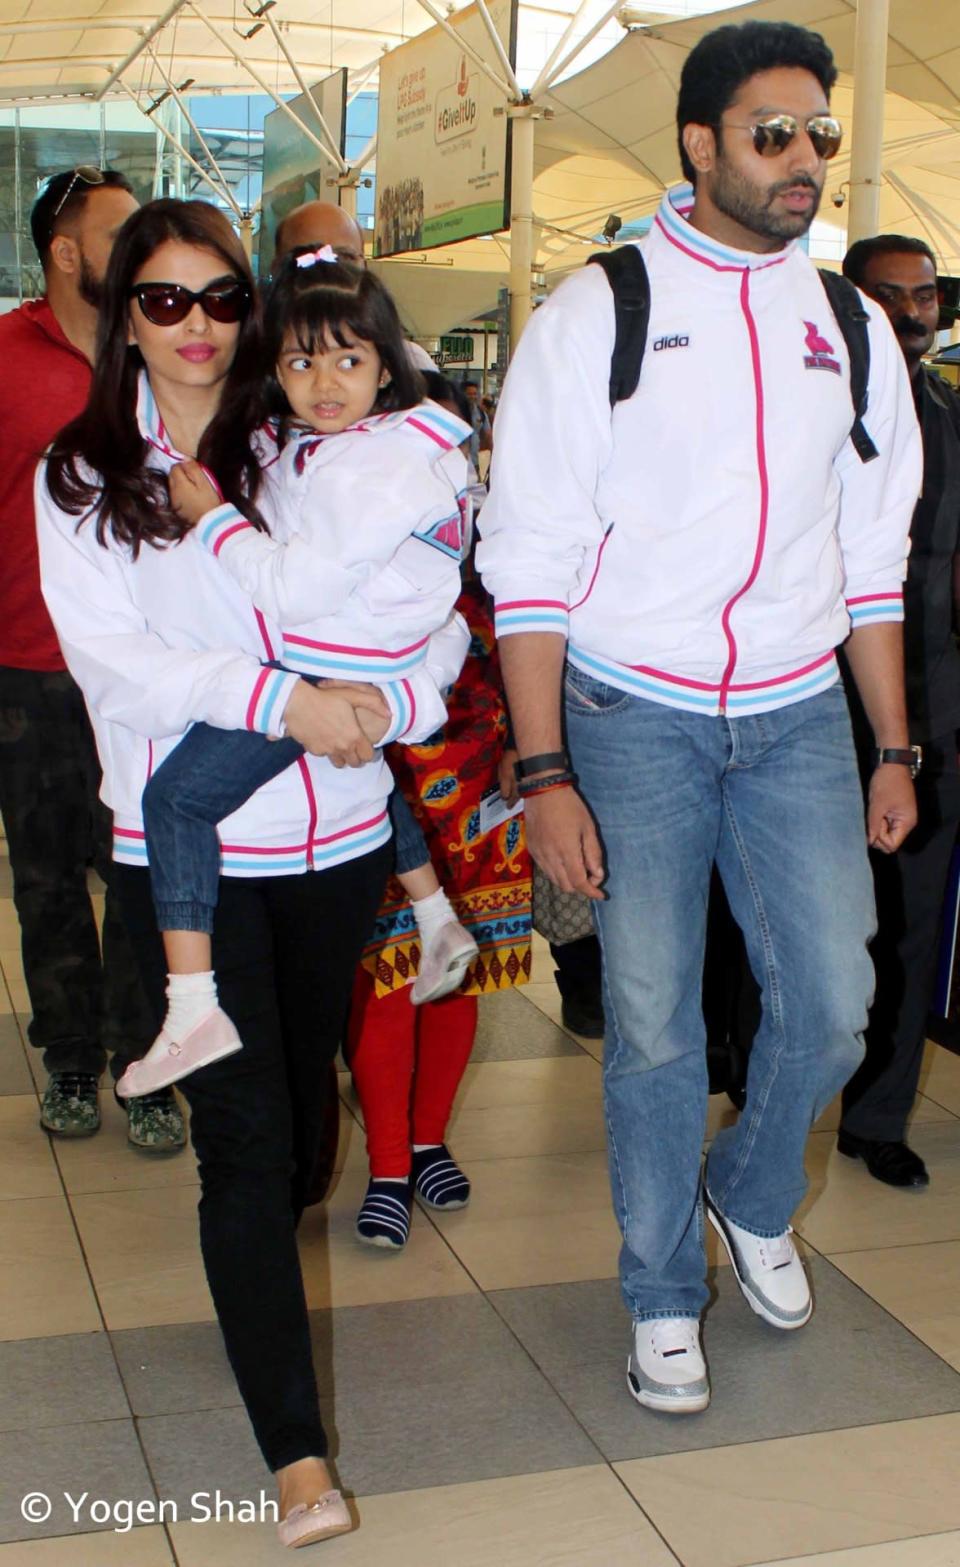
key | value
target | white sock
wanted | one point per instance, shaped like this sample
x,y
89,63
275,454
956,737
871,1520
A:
x,y
422,1147
189,998
392,1180
431,914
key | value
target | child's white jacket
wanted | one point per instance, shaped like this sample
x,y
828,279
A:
x,y
374,531
168,639
709,542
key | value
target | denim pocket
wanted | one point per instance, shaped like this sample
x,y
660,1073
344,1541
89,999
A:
x,y
587,695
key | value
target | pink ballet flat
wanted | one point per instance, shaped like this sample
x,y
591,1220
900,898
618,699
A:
x,y
303,1525
444,963
167,1060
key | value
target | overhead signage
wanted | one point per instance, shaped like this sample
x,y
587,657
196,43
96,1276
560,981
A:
x,y
443,153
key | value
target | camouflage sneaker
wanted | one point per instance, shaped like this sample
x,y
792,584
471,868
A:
x,y
155,1122
71,1106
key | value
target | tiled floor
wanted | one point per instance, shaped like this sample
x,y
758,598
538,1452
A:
x,y
474,1385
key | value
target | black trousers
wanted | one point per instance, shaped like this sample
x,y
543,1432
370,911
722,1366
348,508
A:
x,y
910,887
83,1004
284,952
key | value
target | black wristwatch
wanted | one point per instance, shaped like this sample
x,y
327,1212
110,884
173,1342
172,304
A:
x,y
911,756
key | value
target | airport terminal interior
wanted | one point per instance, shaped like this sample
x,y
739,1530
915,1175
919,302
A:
x,y
473,1383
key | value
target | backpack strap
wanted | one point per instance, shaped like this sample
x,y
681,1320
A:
x,y
851,318
627,275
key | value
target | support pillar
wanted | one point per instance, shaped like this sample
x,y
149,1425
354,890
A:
x,y
524,118
869,86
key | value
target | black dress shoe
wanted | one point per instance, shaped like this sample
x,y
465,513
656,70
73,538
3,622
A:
x,y
894,1163
583,1015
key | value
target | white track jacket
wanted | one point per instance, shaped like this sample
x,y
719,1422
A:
x,y
710,541
374,533
168,639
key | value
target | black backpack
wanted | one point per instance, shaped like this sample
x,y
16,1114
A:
x,y
628,278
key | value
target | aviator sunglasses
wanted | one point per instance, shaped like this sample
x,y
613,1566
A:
x,y
90,176
773,134
167,304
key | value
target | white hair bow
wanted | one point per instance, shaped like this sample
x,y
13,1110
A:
x,y
311,257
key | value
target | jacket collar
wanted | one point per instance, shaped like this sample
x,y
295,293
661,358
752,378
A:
x,y
427,418
672,221
152,427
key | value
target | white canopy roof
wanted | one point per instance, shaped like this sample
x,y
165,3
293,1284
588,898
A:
x,y
610,146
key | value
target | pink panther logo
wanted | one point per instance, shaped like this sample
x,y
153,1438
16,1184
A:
x,y
815,343
820,353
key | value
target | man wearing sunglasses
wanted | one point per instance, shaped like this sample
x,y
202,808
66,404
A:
x,y
682,568
49,772
901,275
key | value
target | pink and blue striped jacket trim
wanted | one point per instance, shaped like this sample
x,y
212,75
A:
x,y
403,709
237,859
870,609
343,661
219,525
515,615
270,695
701,696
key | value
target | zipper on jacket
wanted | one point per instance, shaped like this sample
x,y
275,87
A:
x,y
764,492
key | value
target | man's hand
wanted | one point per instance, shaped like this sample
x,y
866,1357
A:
x,y
191,493
891,807
326,722
563,841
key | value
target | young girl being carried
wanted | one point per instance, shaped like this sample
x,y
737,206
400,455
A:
x,y
369,482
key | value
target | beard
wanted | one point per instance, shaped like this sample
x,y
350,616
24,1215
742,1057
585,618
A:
x,y
90,287
752,205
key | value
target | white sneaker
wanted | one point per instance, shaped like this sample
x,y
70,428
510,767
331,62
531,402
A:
x,y
666,1369
444,963
769,1271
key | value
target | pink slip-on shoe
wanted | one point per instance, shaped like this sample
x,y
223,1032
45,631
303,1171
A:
x,y
168,1060
444,963
303,1525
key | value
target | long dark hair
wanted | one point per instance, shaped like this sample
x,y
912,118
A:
x,y
131,500
324,300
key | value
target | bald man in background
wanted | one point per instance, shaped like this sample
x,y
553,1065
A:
x,y
320,223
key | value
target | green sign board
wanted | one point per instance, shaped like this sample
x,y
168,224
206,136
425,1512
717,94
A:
x,y
456,350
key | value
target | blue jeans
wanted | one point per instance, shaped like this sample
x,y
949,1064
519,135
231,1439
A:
x,y
775,801
204,779
409,843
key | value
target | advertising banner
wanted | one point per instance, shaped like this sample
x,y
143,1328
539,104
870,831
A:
x,y
294,170
443,154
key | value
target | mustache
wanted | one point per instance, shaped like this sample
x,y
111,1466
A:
x,y
909,326
799,182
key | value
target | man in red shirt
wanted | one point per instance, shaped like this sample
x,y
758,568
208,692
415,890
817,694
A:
x,y
55,823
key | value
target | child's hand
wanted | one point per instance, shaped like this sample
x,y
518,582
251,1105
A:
x,y
509,790
191,493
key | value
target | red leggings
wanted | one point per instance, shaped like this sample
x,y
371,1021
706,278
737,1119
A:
x,y
407,1063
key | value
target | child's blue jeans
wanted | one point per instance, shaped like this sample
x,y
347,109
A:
x,y
210,774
